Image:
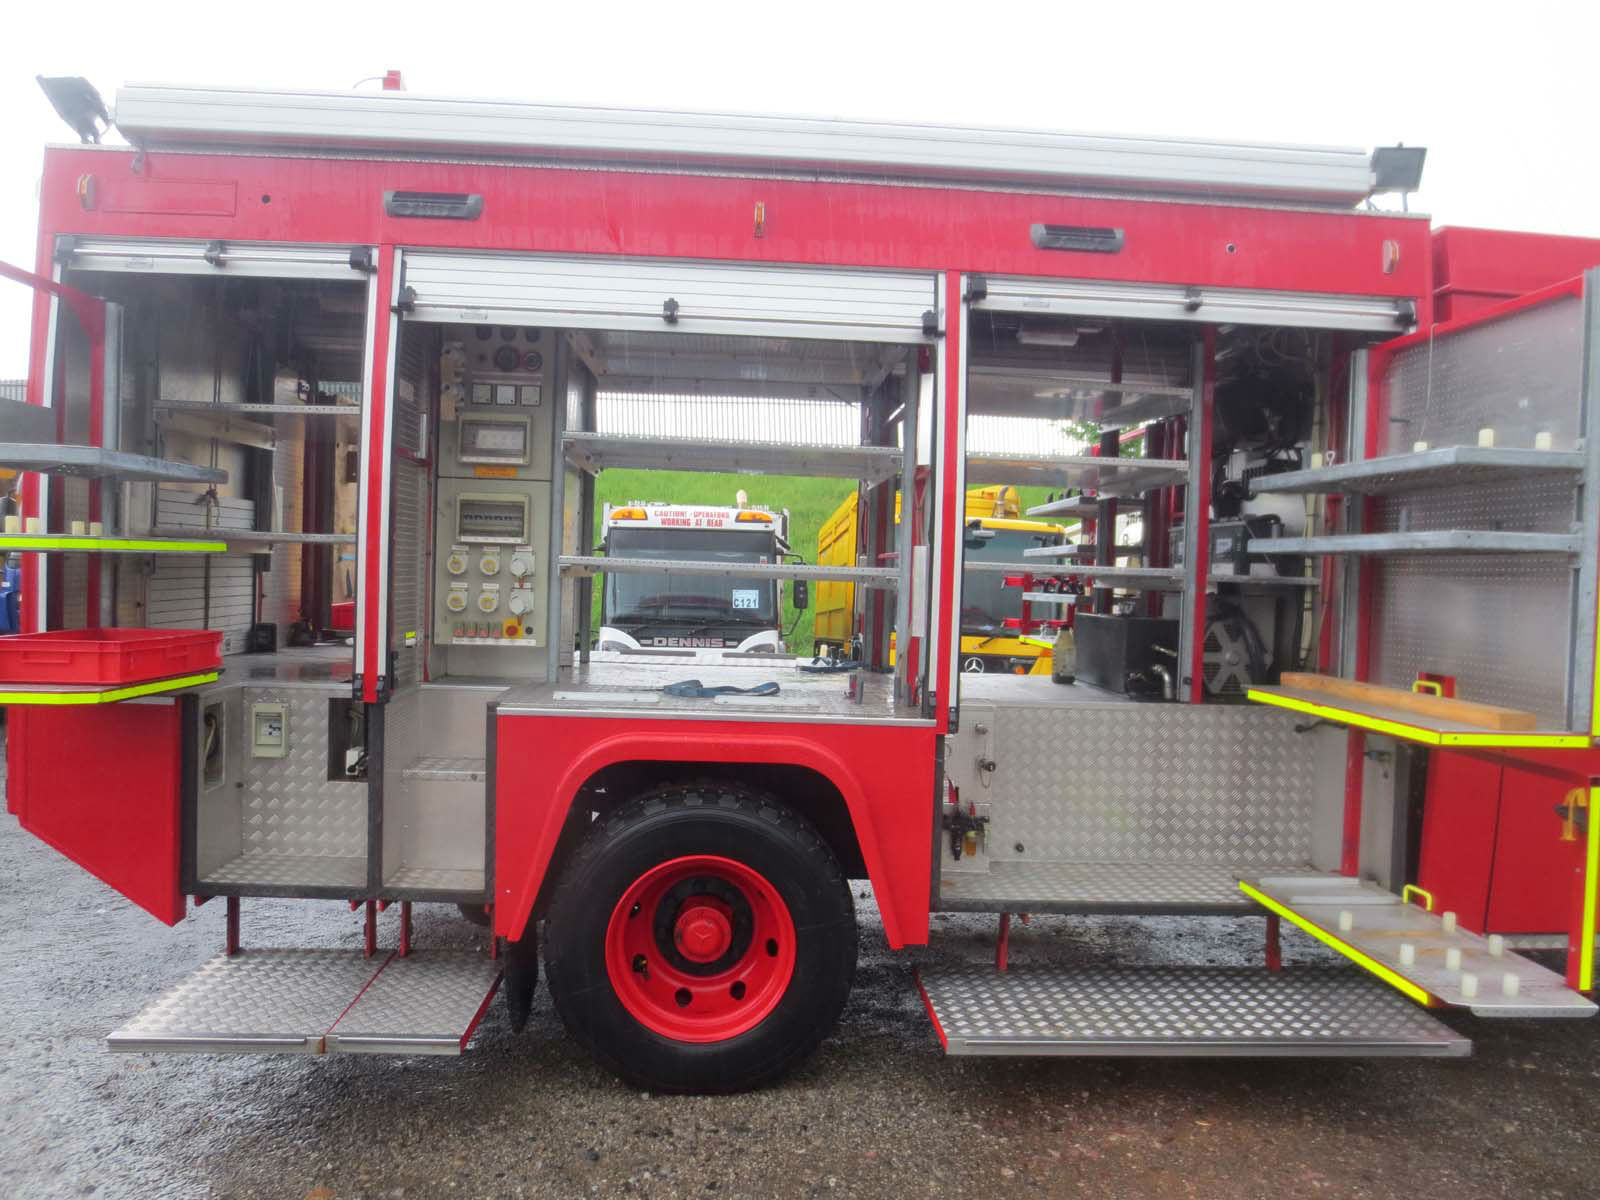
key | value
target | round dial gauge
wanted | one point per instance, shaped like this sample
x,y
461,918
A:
x,y
456,564
456,601
506,358
488,601
489,564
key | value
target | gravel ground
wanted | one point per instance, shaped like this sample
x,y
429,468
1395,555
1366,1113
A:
x,y
878,1113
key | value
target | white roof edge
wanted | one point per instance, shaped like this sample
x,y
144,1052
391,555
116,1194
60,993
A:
x,y
156,115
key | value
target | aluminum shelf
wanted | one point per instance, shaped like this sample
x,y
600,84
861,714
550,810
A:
x,y
1427,541
1120,550
1016,390
198,542
1067,506
1155,579
205,408
583,565
92,462
1408,724
1108,476
594,452
1448,466
264,537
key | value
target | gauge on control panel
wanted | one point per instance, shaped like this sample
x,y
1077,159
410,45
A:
x,y
489,564
488,601
507,358
456,564
456,601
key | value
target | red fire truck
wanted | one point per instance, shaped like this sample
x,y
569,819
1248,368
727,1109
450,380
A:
x,y
1347,681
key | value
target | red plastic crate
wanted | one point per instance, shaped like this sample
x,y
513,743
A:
x,y
112,657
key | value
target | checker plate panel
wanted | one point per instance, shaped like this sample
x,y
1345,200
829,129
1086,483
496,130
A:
x,y
1214,785
1098,887
319,1001
1178,1012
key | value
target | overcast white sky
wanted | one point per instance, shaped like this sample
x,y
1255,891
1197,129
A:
x,y
1503,95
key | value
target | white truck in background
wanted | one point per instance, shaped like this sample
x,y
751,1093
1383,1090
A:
x,y
710,615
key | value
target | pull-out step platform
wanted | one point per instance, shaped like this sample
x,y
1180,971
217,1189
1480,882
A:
x,y
1166,1012
1411,949
320,1002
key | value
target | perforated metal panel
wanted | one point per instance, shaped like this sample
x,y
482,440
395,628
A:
x,y
1502,625
1205,784
1497,623
1519,375
407,630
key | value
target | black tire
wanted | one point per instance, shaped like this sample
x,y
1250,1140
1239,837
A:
x,y
672,822
475,913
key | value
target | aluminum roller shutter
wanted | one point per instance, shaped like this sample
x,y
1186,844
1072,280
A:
x,y
712,298
1174,302
163,256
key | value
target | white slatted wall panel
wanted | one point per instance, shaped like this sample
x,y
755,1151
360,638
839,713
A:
x,y
179,587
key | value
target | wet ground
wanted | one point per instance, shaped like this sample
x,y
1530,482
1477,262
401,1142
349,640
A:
x,y
878,1113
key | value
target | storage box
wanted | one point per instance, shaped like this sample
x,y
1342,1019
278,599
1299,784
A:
x,y
1111,649
109,657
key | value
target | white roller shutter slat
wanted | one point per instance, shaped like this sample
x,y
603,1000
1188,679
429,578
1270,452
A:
x,y
163,256
1175,302
711,298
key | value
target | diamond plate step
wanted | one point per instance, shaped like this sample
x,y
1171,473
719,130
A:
x,y
1381,924
1099,887
1167,1012
319,1002
461,770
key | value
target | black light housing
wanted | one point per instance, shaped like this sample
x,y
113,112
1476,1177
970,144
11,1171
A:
x,y
78,104
1397,168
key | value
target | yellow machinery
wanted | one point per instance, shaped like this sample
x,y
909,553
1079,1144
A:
x,y
995,530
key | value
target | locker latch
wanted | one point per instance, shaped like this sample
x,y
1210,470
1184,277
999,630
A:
x,y
1574,814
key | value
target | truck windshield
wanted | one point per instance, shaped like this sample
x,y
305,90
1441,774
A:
x,y
632,598
985,600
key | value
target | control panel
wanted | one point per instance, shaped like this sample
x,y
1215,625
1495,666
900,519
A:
x,y
492,518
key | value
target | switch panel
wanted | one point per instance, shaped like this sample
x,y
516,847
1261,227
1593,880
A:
x,y
268,731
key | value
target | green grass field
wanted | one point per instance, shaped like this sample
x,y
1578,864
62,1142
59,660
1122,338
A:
x,y
810,502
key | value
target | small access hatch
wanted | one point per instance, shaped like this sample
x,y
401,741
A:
x,y
320,1002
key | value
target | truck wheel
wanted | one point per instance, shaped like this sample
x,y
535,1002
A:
x,y
703,939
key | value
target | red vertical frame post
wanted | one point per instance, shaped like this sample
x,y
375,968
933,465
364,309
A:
x,y
1197,508
946,641
377,423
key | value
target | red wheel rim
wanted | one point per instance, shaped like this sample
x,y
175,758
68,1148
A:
x,y
700,949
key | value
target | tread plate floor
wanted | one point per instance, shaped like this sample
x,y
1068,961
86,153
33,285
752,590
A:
x,y
1102,887
320,1001
1177,1011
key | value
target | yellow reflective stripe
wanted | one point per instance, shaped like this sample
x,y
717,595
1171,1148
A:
x,y
135,545
1591,882
1415,733
1547,741
108,697
1393,979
